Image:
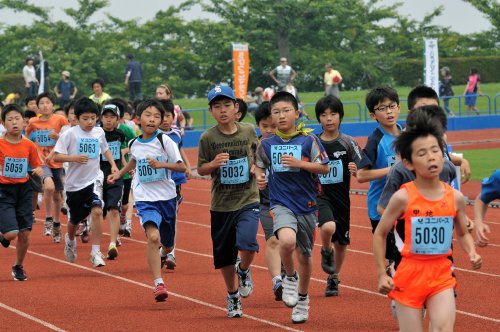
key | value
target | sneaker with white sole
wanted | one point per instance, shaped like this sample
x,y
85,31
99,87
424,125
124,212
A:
x,y
82,226
56,234
170,262
123,223
118,241
234,307
96,258
18,273
128,229
112,253
300,312
290,291
245,284
278,288
47,229
69,251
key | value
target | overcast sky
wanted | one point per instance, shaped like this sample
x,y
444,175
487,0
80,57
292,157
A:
x,y
460,16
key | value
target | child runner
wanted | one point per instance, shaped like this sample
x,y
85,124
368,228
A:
x,y
294,157
16,153
154,189
226,153
425,213
378,155
266,127
490,190
179,178
35,181
47,129
333,189
81,146
112,193
472,89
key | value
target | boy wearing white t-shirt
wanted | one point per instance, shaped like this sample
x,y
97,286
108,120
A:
x,y
154,189
81,146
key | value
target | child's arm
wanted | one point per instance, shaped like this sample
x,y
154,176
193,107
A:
x,y
130,165
208,168
178,167
464,166
478,84
186,161
63,158
50,156
292,162
366,174
260,176
466,87
480,208
463,237
75,90
395,209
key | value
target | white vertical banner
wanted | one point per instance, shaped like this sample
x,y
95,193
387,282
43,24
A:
x,y
42,74
431,64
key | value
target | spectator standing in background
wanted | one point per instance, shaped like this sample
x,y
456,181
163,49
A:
x,y
46,72
63,89
282,74
445,89
11,97
30,77
333,79
472,90
133,77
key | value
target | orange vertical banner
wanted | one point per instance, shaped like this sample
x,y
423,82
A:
x,y
241,67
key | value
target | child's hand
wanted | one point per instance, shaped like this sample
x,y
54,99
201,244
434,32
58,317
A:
x,y
54,135
353,168
131,173
476,261
482,240
188,173
220,160
385,284
81,159
470,225
111,179
48,158
252,170
153,163
38,171
465,171
290,161
114,170
261,181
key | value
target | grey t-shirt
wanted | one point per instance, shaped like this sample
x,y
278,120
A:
x,y
283,74
399,175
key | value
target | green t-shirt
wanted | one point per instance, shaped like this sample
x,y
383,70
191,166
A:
x,y
241,144
129,135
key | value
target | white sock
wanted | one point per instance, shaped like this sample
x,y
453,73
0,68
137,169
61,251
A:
x,y
71,243
112,244
158,281
96,248
40,197
163,254
173,252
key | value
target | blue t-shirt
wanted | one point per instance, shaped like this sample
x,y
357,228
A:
x,y
292,188
134,71
490,189
378,153
175,135
65,89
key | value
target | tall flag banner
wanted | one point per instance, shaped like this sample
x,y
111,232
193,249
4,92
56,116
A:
x,y
241,67
431,64
42,74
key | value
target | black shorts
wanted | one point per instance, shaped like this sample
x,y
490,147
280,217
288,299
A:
x,y
112,196
326,213
36,182
390,242
233,231
15,207
82,201
127,184
178,193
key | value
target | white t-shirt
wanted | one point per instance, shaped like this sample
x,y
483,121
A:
x,y
79,175
29,73
131,125
162,190
2,129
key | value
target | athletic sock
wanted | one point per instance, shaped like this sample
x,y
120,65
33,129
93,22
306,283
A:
x,y
162,254
233,295
47,219
276,280
172,252
56,224
158,281
71,243
327,250
96,248
112,244
335,275
301,295
296,276
241,271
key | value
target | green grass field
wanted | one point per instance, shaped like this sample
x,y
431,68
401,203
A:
x,y
482,162
351,111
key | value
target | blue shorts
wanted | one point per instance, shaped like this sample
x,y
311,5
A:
x,y
470,98
15,207
163,214
233,231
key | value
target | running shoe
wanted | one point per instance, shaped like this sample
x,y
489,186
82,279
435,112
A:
x,y
160,293
290,291
84,237
81,228
69,251
18,273
118,241
112,253
128,229
332,286
170,262
277,288
56,234
327,263
47,229
34,219
234,307
96,258
244,281
300,312
64,209
123,222
5,243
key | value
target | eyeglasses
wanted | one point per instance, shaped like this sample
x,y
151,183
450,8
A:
x,y
278,112
384,108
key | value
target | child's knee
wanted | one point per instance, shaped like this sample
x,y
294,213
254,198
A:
x,y
154,238
96,212
287,243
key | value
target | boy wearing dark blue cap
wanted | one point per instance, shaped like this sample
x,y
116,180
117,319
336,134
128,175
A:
x,y
226,153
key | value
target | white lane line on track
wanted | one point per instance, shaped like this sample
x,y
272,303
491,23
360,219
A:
x,y
25,315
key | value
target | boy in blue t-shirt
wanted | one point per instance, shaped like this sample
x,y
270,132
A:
x,y
378,155
490,190
179,178
294,157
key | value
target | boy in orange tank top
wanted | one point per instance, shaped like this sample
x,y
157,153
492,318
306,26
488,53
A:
x,y
424,213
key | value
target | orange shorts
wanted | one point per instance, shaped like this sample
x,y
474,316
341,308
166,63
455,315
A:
x,y
415,281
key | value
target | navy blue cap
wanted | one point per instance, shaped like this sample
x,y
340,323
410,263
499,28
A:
x,y
221,90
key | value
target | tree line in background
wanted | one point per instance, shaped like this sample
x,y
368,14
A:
x,y
362,39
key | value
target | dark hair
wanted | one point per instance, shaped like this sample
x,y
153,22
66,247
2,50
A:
x,y
286,97
329,102
378,95
69,106
167,88
421,91
17,92
29,98
168,105
136,103
11,107
243,108
432,111
473,70
85,105
58,109
424,125
99,81
130,56
28,59
146,103
219,98
262,112
46,95
29,114
129,110
120,103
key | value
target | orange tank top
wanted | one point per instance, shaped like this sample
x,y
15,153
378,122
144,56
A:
x,y
428,225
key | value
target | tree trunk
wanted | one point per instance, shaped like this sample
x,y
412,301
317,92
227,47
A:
x,y
283,42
